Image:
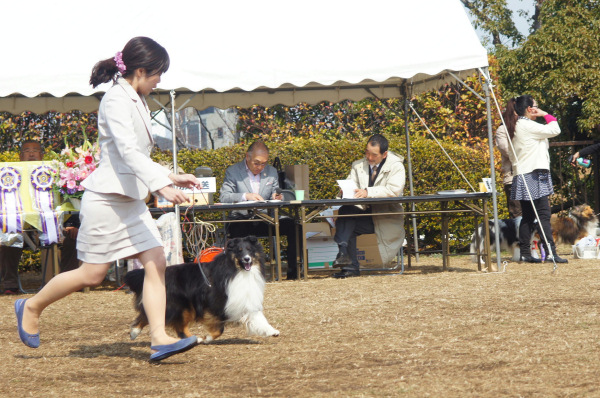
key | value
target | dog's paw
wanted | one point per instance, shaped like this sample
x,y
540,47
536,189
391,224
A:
x,y
135,332
275,333
207,339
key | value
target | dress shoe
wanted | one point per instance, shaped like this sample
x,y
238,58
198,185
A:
x,y
346,274
529,259
30,340
292,276
165,351
557,260
343,259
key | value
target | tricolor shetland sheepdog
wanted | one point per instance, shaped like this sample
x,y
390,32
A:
x,y
509,238
229,289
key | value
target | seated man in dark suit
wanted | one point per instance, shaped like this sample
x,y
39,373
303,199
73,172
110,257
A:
x,y
379,174
254,179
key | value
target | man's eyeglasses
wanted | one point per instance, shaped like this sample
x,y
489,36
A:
x,y
259,164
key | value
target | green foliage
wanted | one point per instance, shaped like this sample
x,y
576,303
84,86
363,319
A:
x,y
560,67
494,18
51,129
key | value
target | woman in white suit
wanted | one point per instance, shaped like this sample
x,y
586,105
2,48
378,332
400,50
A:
x,y
115,222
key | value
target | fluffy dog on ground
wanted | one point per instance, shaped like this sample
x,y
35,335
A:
x,y
580,222
509,238
229,289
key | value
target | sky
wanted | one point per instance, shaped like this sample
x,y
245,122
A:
x,y
521,23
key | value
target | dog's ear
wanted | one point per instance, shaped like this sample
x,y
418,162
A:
x,y
231,243
252,239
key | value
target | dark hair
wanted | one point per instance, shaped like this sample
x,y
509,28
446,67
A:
x,y
510,117
31,142
380,141
258,146
139,52
522,103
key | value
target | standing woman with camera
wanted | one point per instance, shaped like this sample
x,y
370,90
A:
x,y
531,170
115,222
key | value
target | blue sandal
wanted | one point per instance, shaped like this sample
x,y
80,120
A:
x,y
30,340
165,351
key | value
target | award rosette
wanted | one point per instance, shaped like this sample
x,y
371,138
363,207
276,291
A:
x,y
10,200
42,178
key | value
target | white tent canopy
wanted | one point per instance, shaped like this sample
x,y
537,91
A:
x,y
226,53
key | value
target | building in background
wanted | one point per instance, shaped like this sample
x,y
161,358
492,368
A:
x,y
211,128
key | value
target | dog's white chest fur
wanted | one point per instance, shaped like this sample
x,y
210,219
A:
x,y
245,303
245,294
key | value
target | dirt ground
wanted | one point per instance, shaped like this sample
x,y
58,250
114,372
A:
x,y
525,332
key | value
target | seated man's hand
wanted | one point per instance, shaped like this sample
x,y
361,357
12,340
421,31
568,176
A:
x,y
253,196
360,193
277,196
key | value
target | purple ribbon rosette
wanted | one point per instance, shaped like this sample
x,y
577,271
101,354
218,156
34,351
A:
x,y
42,179
10,200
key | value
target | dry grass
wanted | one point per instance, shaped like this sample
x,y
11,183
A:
x,y
525,332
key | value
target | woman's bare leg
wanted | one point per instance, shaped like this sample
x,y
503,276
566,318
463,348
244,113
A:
x,y
63,284
154,297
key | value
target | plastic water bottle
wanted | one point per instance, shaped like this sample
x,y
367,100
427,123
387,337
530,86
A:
x,y
583,162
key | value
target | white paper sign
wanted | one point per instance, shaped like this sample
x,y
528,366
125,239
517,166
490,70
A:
x,y
348,187
207,185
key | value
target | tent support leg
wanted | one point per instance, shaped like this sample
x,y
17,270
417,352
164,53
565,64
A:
x,y
410,175
492,267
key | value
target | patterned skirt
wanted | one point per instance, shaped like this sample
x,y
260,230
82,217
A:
x,y
538,181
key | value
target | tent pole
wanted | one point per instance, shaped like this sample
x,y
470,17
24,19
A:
x,y
175,167
410,175
487,87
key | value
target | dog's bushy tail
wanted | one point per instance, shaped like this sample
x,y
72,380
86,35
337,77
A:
x,y
135,280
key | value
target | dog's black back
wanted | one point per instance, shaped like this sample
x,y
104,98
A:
x,y
188,289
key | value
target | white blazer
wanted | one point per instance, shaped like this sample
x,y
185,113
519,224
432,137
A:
x,y
125,139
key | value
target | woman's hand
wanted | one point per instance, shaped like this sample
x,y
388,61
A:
x,y
173,195
185,180
574,158
537,112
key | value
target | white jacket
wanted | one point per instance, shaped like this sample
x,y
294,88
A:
x,y
124,136
531,145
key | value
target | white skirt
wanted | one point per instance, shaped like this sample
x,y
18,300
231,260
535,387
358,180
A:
x,y
114,227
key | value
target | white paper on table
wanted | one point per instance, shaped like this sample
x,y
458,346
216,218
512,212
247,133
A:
x,y
348,187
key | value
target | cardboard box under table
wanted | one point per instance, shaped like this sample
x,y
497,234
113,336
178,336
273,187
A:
x,y
320,245
368,251
322,248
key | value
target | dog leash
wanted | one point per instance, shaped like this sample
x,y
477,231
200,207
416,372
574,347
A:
x,y
202,272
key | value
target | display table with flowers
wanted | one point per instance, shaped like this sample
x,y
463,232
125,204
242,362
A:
x,y
74,166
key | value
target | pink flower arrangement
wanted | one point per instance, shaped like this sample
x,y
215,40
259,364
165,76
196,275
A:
x,y
74,166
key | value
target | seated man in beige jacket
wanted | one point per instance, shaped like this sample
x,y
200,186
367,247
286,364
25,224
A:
x,y
380,174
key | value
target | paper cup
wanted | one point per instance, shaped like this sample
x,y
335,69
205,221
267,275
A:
x,y
299,194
